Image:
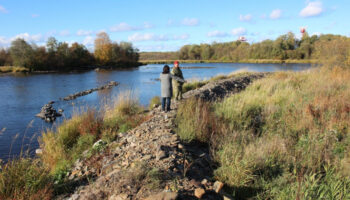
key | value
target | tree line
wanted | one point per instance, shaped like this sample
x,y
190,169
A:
x,y
60,56
285,47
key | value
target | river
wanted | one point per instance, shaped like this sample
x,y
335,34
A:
x,y
22,96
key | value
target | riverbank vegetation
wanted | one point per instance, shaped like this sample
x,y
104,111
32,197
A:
x,y
60,56
285,49
286,136
11,69
44,176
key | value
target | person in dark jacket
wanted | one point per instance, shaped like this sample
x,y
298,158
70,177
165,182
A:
x,y
166,87
176,71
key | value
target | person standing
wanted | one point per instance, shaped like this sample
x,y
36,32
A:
x,y
176,71
166,87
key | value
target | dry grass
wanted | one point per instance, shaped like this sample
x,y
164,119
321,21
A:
x,y
285,126
25,179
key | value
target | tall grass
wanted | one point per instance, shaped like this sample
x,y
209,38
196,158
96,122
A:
x,y
283,130
25,179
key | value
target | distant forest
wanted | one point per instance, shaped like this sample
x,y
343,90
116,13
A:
x,y
59,56
285,47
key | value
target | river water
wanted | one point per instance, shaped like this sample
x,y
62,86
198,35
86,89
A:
x,y
22,96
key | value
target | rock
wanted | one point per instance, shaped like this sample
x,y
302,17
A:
x,y
99,144
195,183
110,167
86,92
218,186
227,197
48,113
60,110
180,146
163,196
161,155
74,197
199,192
118,197
38,151
204,181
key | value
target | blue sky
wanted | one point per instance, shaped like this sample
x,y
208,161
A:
x,y
166,25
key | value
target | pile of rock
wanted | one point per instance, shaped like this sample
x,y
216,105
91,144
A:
x,y
48,113
221,88
109,85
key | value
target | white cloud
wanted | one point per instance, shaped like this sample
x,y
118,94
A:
x,y
29,38
123,27
190,22
147,25
181,37
84,32
3,10
316,33
245,18
4,42
313,8
158,47
88,40
126,27
217,34
239,31
138,37
276,14
64,33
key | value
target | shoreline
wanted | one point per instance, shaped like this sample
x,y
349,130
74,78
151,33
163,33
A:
x,y
250,61
12,70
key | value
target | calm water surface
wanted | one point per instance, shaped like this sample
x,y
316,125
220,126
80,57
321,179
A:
x,y
21,97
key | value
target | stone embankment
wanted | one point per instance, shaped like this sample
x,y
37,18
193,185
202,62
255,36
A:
x,y
150,161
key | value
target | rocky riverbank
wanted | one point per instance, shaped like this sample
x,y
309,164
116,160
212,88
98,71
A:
x,y
151,162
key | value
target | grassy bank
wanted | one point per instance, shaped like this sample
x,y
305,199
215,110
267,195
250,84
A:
x,y
285,137
11,69
44,176
257,61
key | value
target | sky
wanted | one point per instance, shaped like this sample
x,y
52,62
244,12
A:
x,y
166,25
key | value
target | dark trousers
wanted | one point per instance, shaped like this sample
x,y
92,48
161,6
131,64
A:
x,y
168,101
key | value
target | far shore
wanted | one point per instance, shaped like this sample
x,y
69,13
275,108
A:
x,y
257,61
8,70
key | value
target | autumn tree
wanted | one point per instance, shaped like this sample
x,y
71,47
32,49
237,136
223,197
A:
x,y
103,48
